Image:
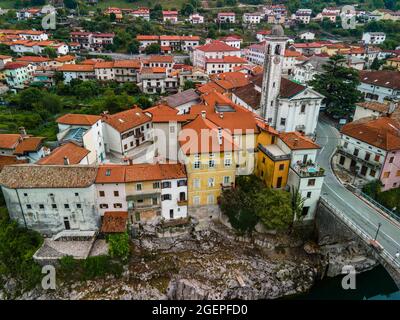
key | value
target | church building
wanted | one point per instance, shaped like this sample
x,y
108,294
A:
x,y
285,105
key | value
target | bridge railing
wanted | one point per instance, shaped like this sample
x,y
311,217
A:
x,y
377,204
390,259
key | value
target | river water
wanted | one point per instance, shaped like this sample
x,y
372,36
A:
x,y
371,285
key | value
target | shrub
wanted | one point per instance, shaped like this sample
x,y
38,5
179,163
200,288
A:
x,y
119,245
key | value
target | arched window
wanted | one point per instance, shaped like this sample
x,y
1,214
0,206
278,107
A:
x,y
278,49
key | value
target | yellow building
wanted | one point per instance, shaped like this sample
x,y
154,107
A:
x,y
393,62
272,163
209,153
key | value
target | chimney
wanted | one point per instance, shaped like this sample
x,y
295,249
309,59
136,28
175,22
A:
x,y
221,115
392,107
22,131
203,114
105,114
66,161
295,142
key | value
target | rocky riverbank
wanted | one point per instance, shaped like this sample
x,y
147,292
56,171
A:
x,y
216,264
207,264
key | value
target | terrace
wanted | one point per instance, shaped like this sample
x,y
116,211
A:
x,y
308,169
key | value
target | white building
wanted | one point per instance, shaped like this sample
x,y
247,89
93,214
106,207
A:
x,y
213,50
196,19
232,40
226,17
303,16
51,199
86,131
373,37
77,71
285,105
305,176
307,35
252,18
143,13
380,85
307,70
255,53
125,131
170,16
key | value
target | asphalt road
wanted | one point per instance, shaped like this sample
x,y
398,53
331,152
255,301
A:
x,y
361,214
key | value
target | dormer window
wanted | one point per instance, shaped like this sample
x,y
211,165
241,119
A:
x,y
108,172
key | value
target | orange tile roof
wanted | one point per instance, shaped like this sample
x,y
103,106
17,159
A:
x,y
292,53
65,58
296,141
147,37
29,144
375,106
10,160
165,59
78,119
32,59
114,222
382,133
388,79
104,65
210,87
230,80
216,46
72,151
15,65
165,113
226,59
152,172
126,120
132,63
9,141
76,68
203,136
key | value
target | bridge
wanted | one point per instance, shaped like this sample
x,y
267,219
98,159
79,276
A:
x,y
364,219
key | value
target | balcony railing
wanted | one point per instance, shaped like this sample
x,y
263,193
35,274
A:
x,y
369,163
272,156
182,202
308,169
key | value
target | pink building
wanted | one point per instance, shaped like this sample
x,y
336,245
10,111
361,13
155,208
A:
x,y
171,16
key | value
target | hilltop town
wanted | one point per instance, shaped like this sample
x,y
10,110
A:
x,y
131,130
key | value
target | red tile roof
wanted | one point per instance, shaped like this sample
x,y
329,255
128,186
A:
x,y
289,88
203,136
375,106
388,79
76,68
15,65
78,119
382,133
32,59
126,120
216,46
296,141
114,222
29,144
73,152
164,113
9,141
10,160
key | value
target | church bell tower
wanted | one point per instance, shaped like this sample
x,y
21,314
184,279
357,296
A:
x,y
273,62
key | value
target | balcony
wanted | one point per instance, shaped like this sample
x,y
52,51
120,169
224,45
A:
x,y
227,186
273,152
369,163
138,135
308,169
182,202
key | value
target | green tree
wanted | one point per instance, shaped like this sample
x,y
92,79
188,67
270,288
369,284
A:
x,y
118,245
294,5
274,209
156,12
28,98
187,9
376,64
189,84
50,52
51,102
133,47
297,203
153,48
70,4
339,86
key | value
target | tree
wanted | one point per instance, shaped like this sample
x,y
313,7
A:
x,y
376,64
189,84
297,203
273,207
339,86
50,52
156,12
293,5
187,9
28,98
133,47
51,102
153,48
70,4
119,245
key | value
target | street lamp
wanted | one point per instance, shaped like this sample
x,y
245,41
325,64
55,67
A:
x,y
379,226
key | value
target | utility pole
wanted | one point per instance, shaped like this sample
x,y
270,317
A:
x,y
379,226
